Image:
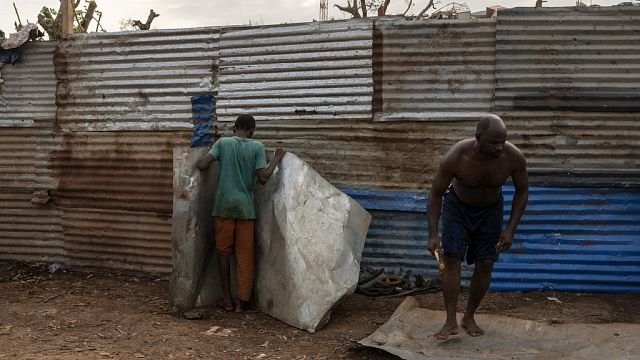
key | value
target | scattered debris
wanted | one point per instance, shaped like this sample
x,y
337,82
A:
x,y
196,314
52,297
15,40
553,298
376,283
218,331
53,268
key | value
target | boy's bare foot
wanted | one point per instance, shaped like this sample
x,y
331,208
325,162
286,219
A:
x,y
469,324
227,306
447,330
242,306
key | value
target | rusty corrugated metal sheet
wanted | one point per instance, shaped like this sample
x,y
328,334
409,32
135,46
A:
x,y
124,102
419,67
370,155
567,86
313,71
118,239
115,192
125,170
139,80
430,70
27,111
27,231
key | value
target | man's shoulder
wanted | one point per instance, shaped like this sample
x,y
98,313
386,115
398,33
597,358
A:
x,y
513,151
461,147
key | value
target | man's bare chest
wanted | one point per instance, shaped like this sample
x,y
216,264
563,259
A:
x,y
473,174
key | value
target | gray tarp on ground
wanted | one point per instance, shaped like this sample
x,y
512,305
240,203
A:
x,y
310,237
408,334
309,241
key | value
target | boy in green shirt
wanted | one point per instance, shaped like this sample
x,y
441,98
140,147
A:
x,y
242,159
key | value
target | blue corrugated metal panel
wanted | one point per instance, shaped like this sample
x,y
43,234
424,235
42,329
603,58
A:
x,y
570,239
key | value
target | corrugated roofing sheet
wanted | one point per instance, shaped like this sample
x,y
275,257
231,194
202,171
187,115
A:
x,y
140,80
430,70
570,239
567,85
313,71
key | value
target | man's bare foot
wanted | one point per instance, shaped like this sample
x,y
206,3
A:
x,y
469,324
446,331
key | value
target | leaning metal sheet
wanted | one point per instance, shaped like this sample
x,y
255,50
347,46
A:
x,y
309,243
408,334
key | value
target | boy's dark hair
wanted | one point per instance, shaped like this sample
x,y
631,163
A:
x,y
245,122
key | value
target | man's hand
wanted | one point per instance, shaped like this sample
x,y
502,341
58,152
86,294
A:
x,y
506,239
433,244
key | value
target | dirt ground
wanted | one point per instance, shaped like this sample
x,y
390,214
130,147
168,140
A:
x,y
84,314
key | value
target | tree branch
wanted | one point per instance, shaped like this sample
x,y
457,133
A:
x,y
363,4
429,5
48,28
147,25
353,10
408,7
18,15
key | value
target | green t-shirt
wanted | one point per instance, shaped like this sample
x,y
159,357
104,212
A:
x,y
239,159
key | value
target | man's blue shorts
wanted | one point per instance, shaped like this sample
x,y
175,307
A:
x,y
468,230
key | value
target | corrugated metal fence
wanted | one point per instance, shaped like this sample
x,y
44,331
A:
x,y
124,102
434,70
567,84
27,115
371,104
571,239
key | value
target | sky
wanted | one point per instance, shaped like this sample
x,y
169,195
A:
x,y
185,14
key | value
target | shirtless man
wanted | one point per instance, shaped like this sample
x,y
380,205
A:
x,y
470,179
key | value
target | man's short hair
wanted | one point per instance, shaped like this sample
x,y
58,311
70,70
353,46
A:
x,y
245,122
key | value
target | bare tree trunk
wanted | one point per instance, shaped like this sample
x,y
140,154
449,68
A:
x,y
382,10
147,25
363,4
88,16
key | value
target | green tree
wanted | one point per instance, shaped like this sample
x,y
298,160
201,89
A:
x,y
51,19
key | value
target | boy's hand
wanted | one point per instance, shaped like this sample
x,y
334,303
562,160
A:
x,y
279,154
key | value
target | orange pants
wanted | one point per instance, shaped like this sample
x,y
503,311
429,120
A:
x,y
236,236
